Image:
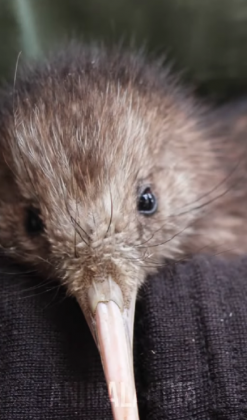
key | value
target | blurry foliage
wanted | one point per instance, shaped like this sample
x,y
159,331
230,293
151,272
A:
x,y
205,38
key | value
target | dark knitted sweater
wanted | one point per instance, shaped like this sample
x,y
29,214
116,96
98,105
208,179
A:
x,y
190,347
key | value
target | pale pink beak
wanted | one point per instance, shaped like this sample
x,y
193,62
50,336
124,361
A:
x,y
112,327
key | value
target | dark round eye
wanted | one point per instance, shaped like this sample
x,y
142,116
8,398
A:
x,y
34,224
147,203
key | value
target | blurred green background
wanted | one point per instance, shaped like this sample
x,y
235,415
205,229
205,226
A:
x,y
206,39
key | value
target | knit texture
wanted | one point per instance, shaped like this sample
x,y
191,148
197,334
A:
x,y
190,347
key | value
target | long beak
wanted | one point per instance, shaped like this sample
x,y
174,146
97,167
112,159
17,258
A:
x,y
112,324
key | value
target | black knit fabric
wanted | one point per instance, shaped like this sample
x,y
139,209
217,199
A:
x,y
190,347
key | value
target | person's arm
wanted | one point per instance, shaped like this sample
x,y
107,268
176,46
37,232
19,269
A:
x,y
190,347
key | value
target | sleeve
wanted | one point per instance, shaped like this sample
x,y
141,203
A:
x,y
190,346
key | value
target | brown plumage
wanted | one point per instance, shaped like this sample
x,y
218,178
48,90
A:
x,y
82,135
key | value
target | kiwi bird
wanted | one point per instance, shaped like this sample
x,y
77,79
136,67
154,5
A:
x,y
108,167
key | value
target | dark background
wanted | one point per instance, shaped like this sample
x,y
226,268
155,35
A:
x,y
206,39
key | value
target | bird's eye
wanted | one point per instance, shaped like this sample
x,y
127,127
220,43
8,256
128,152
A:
x,y
34,224
147,203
